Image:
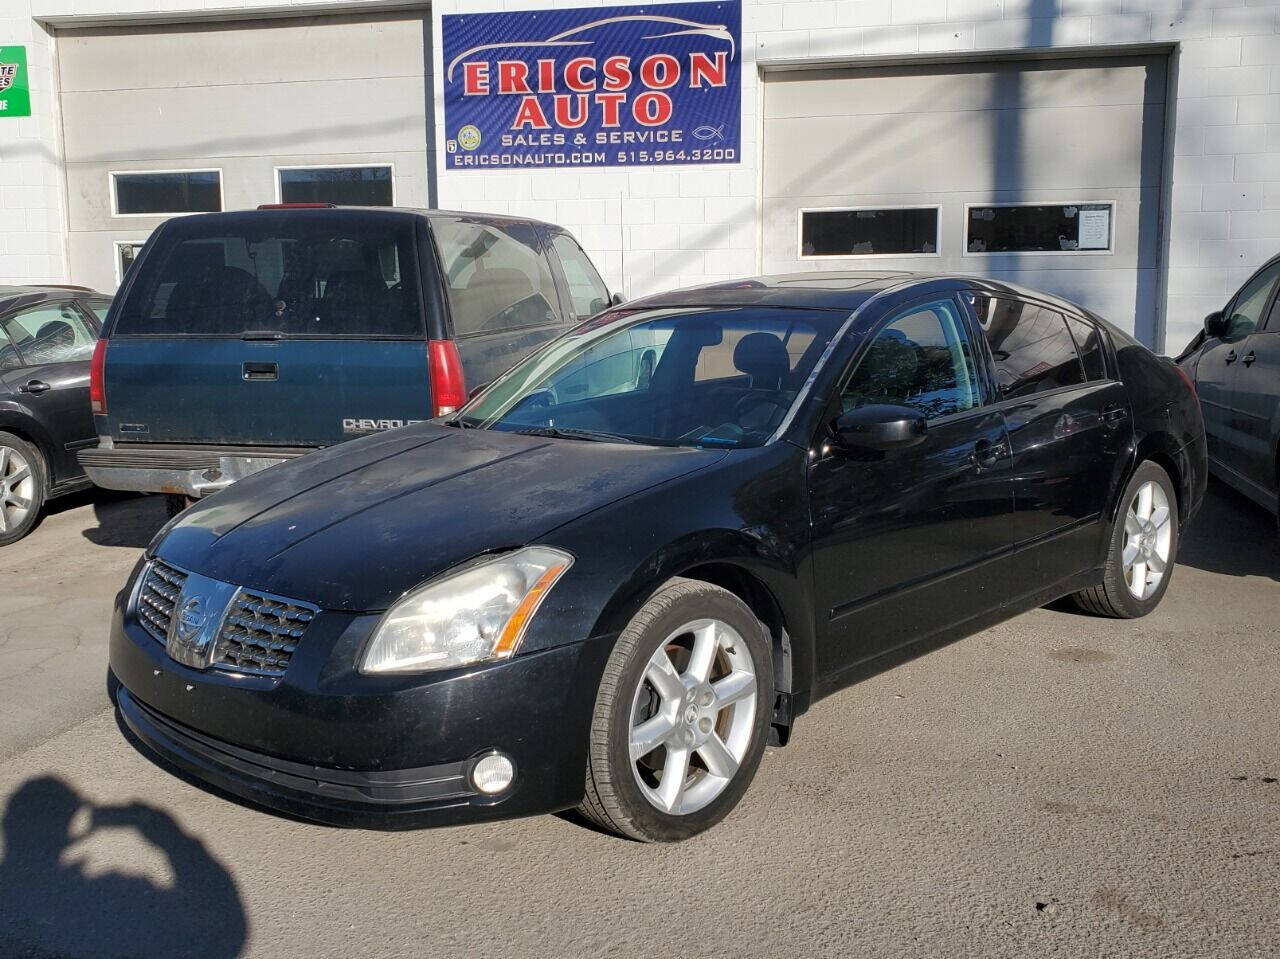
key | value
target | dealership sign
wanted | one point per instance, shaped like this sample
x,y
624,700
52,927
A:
x,y
602,86
15,97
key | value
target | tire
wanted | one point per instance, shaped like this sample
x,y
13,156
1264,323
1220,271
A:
x,y
1115,597
24,479
175,503
625,797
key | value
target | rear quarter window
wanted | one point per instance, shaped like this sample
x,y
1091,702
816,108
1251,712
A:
x,y
495,273
296,275
1089,345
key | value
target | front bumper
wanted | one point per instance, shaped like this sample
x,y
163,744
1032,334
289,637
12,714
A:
x,y
189,471
394,754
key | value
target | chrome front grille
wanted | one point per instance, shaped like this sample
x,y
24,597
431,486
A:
x,y
259,633
256,632
161,587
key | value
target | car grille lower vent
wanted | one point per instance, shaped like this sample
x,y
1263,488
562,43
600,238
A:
x,y
161,588
259,633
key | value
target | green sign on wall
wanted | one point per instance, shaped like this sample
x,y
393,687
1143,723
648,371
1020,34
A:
x,y
15,94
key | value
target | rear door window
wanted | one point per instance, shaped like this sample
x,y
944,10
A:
x,y
50,333
496,275
587,293
294,275
1030,345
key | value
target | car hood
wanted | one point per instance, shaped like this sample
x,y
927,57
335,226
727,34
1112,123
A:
x,y
355,526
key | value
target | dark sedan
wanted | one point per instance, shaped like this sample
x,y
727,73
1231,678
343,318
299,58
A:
x,y
1235,362
646,550
47,335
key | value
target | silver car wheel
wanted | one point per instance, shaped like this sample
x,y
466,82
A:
x,y
17,489
692,716
1148,536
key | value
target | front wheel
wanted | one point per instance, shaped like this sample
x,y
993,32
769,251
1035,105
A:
x,y
1144,545
681,716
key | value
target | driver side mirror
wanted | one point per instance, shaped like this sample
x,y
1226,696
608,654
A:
x,y
879,427
617,299
1215,324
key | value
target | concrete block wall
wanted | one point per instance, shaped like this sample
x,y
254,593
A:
x,y
31,195
691,224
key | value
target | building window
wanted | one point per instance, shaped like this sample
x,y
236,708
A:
x,y
1039,228
897,231
126,252
166,192
344,186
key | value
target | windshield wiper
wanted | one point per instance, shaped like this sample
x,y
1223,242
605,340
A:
x,y
569,433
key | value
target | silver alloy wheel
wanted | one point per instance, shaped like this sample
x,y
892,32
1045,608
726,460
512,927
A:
x,y
1148,537
17,489
691,727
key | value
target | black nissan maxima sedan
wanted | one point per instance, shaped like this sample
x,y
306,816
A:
x,y
643,553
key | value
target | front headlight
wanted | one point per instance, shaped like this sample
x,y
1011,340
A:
x,y
477,614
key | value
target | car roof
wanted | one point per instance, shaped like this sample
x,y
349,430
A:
x,y
833,290
15,296
233,216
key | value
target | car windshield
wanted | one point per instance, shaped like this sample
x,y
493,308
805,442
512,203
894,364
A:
x,y
695,377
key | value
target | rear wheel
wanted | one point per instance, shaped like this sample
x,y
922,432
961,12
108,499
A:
x,y
681,716
22,487
1144,546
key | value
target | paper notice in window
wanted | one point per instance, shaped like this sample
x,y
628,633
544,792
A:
x,y
1095,229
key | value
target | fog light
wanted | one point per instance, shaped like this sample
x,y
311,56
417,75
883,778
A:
x,y
493,774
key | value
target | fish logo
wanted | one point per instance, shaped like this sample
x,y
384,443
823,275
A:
x,y
574,38
708,132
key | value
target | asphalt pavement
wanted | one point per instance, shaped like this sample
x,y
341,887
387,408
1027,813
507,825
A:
x,y
1060,785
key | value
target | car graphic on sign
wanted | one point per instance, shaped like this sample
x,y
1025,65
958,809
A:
x,y
574,37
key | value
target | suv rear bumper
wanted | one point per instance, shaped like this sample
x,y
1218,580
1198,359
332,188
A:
x,y
193,471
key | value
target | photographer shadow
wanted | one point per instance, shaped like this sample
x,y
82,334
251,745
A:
x,y
52,905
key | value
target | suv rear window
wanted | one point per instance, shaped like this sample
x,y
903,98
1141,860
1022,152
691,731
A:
x,y
296,275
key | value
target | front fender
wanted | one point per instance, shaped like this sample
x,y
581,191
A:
x,y
748,513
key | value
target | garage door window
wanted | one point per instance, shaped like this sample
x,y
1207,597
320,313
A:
x,y
166,192
343,186
1040,228
896,231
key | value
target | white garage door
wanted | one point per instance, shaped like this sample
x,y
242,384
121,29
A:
x,y
1043,172
161,120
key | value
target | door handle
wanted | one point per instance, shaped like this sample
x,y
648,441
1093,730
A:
x,y
1249,358
262,371
986,454
1113,416
1231,357
35,387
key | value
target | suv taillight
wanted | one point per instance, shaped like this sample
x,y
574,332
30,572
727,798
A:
x,y
448,386
98,389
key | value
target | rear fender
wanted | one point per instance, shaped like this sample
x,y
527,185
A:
x,y
14,419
